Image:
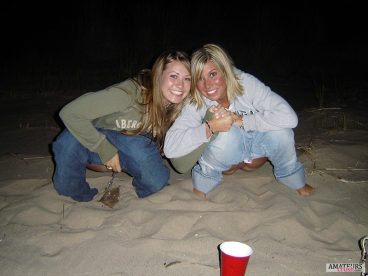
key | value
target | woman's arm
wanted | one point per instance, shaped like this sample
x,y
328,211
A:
x,y
186,134
270,110
79,114
189,136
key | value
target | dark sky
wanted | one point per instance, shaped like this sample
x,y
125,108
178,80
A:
x,y
86,45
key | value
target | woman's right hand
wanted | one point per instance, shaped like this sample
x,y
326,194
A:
x,y
114,163
221,120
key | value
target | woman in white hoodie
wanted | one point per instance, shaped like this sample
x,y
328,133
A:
x,y
233,121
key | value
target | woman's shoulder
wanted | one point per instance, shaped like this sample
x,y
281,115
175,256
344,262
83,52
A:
x,y
129,87
245,77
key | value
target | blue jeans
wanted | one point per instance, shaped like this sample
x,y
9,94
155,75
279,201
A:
x,y
237,145
139,157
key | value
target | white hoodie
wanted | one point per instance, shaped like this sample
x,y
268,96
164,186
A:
x,y
262,110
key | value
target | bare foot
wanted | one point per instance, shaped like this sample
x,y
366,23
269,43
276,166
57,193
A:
x,y
306,190
199,193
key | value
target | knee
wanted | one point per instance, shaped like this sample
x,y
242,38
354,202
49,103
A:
x,y
159,180
65,143
283,137
67,148
231,136
151,182
280,148
228,143
227,149
280,141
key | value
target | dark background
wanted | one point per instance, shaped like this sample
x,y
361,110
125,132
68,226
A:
x,y
313,54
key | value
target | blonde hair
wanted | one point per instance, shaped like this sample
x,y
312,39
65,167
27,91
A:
x,y
214,53
157,118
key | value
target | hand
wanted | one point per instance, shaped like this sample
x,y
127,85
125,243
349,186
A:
x,y
114,163
218,111
237,120
222,122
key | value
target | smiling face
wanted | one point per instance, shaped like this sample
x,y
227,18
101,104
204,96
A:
x,y
175,82
212,84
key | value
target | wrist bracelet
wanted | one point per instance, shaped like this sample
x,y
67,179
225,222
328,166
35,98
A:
x,y
209,127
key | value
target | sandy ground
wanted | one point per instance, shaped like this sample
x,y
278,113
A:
x,y
174,232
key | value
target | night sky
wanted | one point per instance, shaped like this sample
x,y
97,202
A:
x,y
296,49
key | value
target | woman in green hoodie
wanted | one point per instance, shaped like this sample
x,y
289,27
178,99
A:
x,y
122,127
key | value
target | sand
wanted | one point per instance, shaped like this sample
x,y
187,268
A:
x,y
174,232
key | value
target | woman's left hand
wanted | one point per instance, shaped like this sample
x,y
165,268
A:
x,y
114,163
237,119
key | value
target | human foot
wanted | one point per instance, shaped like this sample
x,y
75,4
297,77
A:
x,y
199,193
306,190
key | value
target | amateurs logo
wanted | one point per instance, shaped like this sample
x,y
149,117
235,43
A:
x,y
344,267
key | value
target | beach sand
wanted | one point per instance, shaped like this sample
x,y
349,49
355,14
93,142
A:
x,y
174,232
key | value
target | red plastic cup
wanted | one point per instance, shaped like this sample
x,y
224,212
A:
x,y
234,258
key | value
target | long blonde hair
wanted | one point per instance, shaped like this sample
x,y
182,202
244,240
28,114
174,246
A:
x,y
157,118
214,53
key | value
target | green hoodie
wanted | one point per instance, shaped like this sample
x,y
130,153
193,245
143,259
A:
x,y
114,108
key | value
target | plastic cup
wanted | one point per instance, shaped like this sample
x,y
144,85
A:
x,y
234,258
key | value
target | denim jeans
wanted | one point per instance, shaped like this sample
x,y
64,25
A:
x,y
139,157
237,145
